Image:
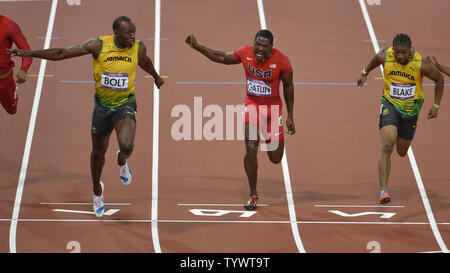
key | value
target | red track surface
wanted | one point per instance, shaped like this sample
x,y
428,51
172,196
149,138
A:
x,y
332,159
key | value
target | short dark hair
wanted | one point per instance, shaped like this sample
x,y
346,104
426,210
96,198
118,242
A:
x,y
401,39
119,20
265,33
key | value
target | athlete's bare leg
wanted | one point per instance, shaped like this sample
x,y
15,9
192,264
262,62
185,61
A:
x,y
403,146
250,159
126,130
388,136
275,151
99,147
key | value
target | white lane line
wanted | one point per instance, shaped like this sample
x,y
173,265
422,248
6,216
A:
x,y
82,204
219,205
154,211
355,206
31,126
284,164
411,157
262,17
221,221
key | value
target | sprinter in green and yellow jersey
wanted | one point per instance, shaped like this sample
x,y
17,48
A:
x,y
115,58
401,101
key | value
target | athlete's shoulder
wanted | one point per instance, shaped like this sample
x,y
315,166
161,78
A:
x,y
278,56
245,49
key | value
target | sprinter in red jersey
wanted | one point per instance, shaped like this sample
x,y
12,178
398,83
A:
x,y
10,33
264,67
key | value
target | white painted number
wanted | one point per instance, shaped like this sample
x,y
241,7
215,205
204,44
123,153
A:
x,y
384,215
374,2
374,246
74,246
215,212
73,2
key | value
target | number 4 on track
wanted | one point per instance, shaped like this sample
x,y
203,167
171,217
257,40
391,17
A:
x,y
215,212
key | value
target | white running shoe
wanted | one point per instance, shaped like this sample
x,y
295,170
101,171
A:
x,y
99,204
124,172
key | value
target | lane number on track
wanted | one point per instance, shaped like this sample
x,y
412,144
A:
x,y
373,2
374,246
73,2
74,246
218,213
384,215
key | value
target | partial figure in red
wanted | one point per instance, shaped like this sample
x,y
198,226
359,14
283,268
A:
x,y
264,67
10,33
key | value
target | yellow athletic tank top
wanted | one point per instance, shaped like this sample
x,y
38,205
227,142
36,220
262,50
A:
x,y
403,83
114,73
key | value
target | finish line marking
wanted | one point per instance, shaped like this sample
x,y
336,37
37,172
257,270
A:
x,y
75,204
220,205
220,221
108,213
356,206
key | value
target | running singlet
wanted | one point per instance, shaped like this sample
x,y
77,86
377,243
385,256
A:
x,y
263,80
403,83
114,73
10,33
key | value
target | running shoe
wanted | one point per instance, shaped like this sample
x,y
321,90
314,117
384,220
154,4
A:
x,y
384,197
252,202
124,172
99,204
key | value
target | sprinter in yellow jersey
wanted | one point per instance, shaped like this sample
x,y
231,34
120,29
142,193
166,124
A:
x,y
401,101
115,60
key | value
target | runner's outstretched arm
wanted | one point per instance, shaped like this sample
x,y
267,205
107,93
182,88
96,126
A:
x,y
16,35
430,71
147,65
213,55
288,91
376,61
92,46
444,69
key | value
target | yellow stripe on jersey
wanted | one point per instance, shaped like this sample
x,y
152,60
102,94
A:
x,y
115,72
403,83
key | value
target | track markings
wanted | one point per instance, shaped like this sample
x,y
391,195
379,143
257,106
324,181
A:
x,y
94,219
82,204
218,213
219,205
384,215
356,206
155,155
107,213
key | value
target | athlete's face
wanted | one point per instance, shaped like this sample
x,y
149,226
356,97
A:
x,y
263,48
402,53
125,36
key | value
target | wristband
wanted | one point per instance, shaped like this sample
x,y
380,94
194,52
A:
x,y
435,106
364,72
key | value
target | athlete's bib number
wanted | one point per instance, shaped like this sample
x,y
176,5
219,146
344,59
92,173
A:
x,y
258,88
403,91
115,81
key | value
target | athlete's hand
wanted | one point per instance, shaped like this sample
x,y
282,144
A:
x,y
159,81
362,79
191,41
433,113
21,76
433,60
19,52
290,126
